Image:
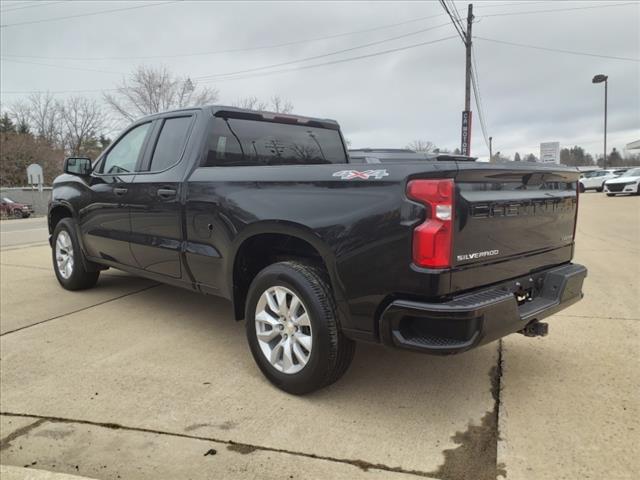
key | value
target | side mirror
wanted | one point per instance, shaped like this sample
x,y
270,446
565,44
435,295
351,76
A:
x,y
77,166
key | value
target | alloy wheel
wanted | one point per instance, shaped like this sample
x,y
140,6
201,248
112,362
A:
x,y
64,254
283,329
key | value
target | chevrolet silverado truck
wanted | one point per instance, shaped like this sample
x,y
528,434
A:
x,y
436,255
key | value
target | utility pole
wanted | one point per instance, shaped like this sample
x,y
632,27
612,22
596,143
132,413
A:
x,y
491,149
465,147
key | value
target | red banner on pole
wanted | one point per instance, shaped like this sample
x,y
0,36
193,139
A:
x,y
465,145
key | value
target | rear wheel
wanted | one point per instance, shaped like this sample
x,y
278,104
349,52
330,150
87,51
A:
x,y
293,330
582,189
69,263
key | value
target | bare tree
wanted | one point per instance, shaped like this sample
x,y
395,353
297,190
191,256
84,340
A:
x,y
421,146
41,112
150,90
276,104
84,121
281,105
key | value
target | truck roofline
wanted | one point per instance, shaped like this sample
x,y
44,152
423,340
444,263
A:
x,y
217,110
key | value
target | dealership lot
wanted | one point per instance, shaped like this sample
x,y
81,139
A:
x,y
138,380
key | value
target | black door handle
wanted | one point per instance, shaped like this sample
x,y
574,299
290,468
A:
x,y
166,192
120,191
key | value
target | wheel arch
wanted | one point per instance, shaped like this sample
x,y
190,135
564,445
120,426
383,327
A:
x,y
268,242
58,211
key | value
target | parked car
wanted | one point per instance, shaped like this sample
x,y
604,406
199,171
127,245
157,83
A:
x,y
595,179
315,252
628,182
15,209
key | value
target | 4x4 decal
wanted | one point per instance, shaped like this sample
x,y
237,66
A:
x,y
365,175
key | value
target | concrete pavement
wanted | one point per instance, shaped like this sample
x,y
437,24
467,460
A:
x,y
24,231
142,381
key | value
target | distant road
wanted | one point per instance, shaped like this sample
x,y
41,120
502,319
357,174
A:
x,y
26,231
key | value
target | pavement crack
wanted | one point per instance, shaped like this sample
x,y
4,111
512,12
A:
x,y
33,267
6,441
598,317
476,455
140,290
240,447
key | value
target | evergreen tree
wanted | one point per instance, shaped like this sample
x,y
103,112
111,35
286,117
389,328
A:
x,y
6,124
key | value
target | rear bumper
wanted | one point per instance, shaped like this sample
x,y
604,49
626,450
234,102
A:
x,y
483,315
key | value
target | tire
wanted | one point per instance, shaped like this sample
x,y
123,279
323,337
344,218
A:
x,y
17,214
73,275
330,353
582,189
611,194
600,189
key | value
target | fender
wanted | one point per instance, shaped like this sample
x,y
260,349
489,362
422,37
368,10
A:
x,y
303,233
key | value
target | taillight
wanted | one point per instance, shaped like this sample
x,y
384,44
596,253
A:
x,y
432,239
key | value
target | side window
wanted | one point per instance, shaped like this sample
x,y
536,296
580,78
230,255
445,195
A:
x,y
123,156
235,142
170,143
224,149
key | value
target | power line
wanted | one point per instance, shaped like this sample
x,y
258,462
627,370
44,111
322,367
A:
x,y
316,57
507,14
273,72
81,15
36,4
334,62
475,82
459,29
571,52
61,66
243,49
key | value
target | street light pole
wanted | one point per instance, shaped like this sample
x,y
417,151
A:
x,y
599,79
604,159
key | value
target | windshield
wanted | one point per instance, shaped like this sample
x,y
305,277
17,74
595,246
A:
x,y
7,200
634,172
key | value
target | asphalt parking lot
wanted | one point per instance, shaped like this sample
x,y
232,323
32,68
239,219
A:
x,y
137,380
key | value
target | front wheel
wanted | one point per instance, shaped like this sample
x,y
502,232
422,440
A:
x,y
292,328
17,214
69,263
611,194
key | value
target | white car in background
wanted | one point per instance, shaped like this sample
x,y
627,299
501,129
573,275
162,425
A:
x,y
595,180
628,182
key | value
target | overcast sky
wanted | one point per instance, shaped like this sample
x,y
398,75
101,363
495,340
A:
x,y
529,96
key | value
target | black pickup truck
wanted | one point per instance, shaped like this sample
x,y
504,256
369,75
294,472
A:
x,y
436,255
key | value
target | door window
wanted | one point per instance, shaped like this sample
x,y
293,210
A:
x,y
170,144
122,158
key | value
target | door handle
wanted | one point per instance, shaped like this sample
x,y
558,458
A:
x,y
120,191
166,192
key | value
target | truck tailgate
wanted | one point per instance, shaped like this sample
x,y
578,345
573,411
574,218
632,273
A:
x,y
507,211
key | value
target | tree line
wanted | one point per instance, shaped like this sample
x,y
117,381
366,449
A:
x,y
575,156
43,129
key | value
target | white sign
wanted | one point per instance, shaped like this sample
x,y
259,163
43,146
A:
x,y
34,174
550,152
